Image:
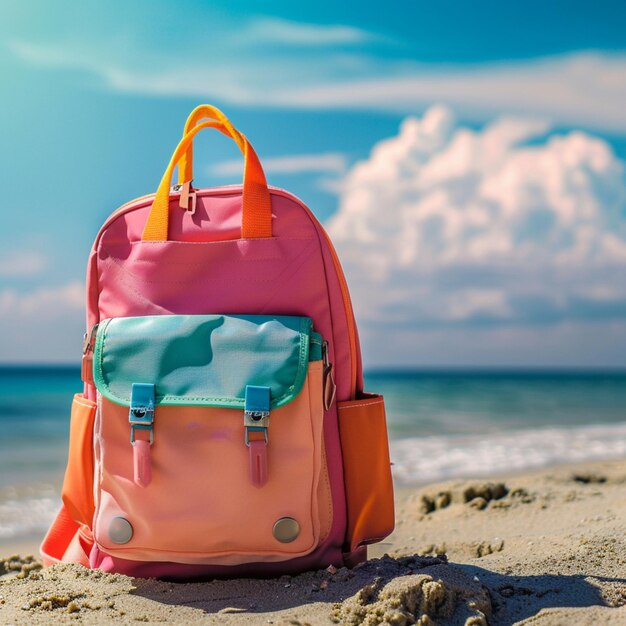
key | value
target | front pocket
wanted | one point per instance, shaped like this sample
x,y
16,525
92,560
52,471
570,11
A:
x,y
203,499
367,470
77,492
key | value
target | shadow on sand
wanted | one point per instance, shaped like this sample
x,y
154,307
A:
x,y
447,592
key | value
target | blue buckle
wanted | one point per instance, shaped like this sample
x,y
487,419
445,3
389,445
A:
x,y
256,414
141,414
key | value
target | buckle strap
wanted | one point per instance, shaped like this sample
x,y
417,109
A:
x,y
256,419
141,417
141,413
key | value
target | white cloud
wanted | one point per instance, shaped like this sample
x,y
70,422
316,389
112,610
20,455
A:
x,y
443,227
21,263
585,88
277,30
327,162
45,324
52,301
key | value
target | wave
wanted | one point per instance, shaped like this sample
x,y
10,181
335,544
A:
x,y
432,459
27,517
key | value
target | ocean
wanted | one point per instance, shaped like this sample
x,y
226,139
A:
x,y
442,424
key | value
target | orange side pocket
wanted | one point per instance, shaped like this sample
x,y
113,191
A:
x,y
367,470
77,490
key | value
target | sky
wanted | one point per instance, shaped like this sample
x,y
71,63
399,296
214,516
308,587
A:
x,y
468,160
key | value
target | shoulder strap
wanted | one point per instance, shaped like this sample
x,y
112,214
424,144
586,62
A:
x,y
66,541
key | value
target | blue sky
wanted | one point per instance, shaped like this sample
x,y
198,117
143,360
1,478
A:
x,y
96,95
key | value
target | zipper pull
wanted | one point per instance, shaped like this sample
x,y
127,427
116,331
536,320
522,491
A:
x,y
187,196
256,419
329,388
187,199
141,417
86,365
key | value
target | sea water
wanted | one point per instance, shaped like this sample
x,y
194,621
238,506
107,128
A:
x,y
449,424
442,424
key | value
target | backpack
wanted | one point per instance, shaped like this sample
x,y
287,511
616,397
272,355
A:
x,y
223,429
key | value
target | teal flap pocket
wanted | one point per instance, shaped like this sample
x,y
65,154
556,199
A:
x,y
204,360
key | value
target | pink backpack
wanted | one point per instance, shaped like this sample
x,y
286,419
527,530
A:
x,y
223,429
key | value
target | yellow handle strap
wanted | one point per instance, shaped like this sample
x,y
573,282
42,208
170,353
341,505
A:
x,y
256,219
204,111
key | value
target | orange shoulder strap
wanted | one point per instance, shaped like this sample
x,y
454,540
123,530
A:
x,y
66,541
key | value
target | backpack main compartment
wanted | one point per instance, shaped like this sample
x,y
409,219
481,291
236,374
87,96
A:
x,y
206,268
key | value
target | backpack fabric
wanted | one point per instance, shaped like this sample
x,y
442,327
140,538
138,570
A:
x,y
223,429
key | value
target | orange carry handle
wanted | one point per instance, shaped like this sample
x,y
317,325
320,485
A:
x,y
204,111
256,206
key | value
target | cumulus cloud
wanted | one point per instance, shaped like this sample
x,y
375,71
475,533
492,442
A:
x,y
44,324
447,227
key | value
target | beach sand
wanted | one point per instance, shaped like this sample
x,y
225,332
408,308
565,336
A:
x,y
543,548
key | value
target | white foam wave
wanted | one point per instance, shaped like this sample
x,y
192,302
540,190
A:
x,y
432,459
27,517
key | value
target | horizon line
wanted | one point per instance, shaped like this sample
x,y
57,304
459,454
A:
x,y
402,369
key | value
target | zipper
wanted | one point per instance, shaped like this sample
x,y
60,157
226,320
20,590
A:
x,y
88,339
329,389
86,365
343,284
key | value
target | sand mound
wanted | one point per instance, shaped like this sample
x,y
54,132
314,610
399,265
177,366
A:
x,y
18,566
55,594
445,594
477,496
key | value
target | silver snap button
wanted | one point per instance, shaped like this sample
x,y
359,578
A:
x,y
286,530
120,530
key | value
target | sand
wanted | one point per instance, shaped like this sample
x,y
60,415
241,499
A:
x,y
546,548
